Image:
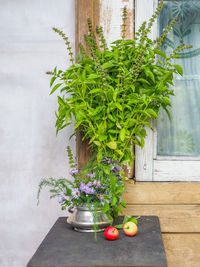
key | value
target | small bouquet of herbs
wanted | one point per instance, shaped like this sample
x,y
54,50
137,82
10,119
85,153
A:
x,y
101,185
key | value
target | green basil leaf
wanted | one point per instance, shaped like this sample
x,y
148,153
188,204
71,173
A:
x,y
54,88
122,134
179,69
112,145
52,80
160,53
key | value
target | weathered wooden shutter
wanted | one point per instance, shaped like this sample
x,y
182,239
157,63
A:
x,y
107,14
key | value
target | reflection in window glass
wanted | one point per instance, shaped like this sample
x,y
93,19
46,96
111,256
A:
x,y
181,136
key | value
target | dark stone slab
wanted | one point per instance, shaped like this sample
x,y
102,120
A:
x,y
64,247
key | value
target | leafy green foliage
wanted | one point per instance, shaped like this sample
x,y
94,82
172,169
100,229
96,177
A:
x,y
114,93
100,184
127,219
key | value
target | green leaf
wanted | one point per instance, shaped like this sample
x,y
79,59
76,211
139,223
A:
x,y
129,219
77,124
150,75
114,201
54,88
115,95
166,100
118,125
111,117
143,81
122,134
103,126
168,113
93,76
119,152
92,139
152,112
168,77
94,91
113,131
52,80
102,137
132,122
179,69
126,219
134,220
61,101
141,140
119,226
97,143
99,155
83,76
132,87
112,145
107,65
123,203
160,53
106,207
118,106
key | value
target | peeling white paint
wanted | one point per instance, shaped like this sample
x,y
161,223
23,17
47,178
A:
x,y
111,20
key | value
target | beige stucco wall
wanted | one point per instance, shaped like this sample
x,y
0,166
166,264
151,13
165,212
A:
x,y
29,148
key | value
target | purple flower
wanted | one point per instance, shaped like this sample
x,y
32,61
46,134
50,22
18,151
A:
x,y
103,186
89,184
75,193
120,199
97,183
73,172
60,199
83,187
116,169
86,189
90,191
91,175
64,191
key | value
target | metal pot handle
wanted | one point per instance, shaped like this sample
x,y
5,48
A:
x,y
71,209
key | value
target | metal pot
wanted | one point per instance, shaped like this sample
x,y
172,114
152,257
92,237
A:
x,y
84,217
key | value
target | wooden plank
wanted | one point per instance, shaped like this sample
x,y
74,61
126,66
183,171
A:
x,y
177,170
111,19
84,9
144,157
108,15
182,250
162,193
173,218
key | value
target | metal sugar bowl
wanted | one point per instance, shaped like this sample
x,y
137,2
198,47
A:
x,y
87,217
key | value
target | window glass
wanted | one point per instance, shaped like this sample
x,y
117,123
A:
x,y
181,136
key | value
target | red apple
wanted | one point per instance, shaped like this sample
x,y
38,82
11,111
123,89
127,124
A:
x,y
130,228
111,233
